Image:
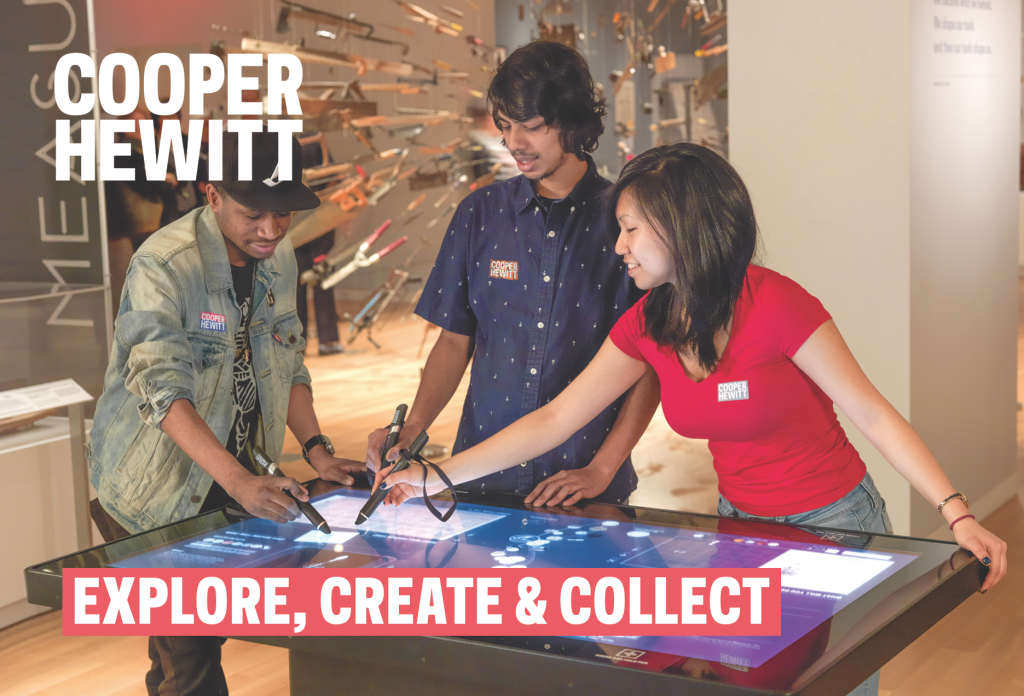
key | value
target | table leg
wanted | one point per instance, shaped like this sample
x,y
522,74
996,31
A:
x,y
80,475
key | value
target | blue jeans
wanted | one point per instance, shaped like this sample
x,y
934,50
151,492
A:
x,y
860,510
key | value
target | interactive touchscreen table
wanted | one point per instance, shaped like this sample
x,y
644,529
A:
x,y
850,601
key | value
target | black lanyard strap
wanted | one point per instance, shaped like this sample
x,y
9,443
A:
x,y
444,479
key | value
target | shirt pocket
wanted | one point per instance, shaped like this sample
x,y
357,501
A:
x,y
210,355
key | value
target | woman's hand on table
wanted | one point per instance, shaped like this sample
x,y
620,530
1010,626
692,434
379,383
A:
x,y
990,549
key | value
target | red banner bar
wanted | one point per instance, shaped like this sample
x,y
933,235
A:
x,y
406,602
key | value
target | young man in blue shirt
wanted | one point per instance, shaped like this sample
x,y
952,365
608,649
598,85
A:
x,y
527,285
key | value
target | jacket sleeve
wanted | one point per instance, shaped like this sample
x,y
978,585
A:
x,y
300,374
160,366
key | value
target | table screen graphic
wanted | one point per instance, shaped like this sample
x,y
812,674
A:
x,y
819,575
416,521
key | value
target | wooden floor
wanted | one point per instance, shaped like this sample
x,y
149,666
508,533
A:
x,y
978,649
358,391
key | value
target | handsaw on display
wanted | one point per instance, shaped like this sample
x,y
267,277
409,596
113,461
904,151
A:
x,y
418,14
344,90
315,55
348,25
344,119
406,120
318,107
314,174
402,88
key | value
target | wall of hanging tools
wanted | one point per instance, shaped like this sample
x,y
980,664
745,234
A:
x,y
388,89
662,64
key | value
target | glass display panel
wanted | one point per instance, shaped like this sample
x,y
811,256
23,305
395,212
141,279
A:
x,y
819,576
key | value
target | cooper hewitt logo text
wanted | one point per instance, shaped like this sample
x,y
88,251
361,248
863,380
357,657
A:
x,y
733,391
207,75
508,270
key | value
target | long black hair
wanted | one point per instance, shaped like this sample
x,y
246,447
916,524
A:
x,y
699,205
549,79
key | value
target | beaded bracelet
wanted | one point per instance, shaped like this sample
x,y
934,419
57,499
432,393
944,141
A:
x,y
962,517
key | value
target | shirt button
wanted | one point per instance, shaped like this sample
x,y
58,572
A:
x,y
196,499
540,325
551,233
547,279
533,370
523,464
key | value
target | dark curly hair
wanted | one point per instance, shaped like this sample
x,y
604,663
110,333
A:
x,y
697,202
549,79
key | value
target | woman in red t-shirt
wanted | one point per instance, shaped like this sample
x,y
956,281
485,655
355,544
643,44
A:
x,y
747,359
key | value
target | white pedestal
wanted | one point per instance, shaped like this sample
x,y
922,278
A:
x,y
39,507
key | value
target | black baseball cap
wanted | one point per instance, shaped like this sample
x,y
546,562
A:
x,y
266,191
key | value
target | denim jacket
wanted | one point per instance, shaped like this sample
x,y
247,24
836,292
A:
x,y
174,339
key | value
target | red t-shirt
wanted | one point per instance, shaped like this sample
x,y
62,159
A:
x,y
778,447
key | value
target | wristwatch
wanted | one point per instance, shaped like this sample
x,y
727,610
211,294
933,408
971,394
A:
x,y
956,495
313,442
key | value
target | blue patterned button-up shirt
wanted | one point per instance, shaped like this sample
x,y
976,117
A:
x,y
540,294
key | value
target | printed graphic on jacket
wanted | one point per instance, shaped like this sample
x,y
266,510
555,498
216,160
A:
x,y
245,405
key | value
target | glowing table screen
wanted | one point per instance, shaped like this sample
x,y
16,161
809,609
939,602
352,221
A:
x,y
819,576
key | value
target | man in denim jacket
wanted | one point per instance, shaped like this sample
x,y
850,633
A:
x,y
207,362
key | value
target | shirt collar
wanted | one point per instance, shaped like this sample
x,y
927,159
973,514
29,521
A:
x,y
214,254
586,188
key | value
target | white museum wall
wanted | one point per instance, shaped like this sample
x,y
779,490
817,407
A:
x,y
964,147
894,201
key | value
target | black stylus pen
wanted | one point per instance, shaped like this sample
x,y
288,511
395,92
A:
x,y
307,508
400,465
391,440
396,429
